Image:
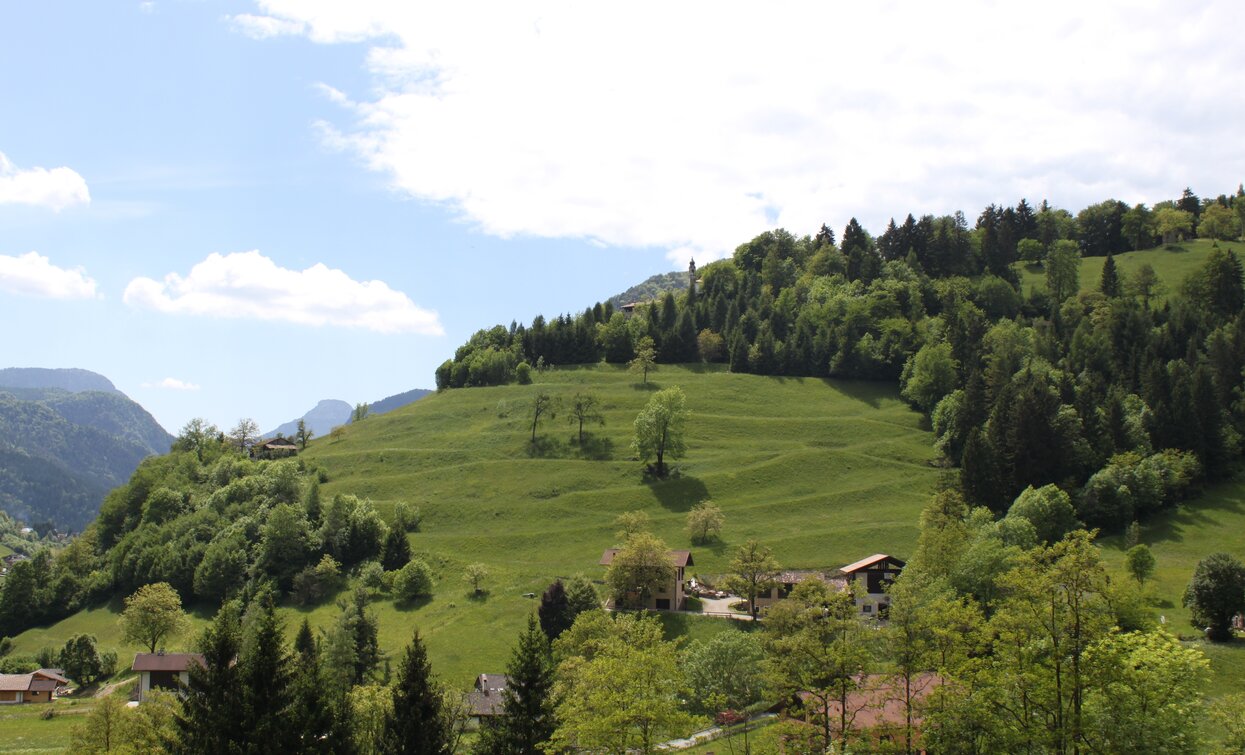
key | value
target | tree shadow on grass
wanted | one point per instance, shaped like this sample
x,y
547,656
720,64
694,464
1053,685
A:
x,y
412,604
594,447
478,597
1200,513
650,386
676,492
545,447
865,391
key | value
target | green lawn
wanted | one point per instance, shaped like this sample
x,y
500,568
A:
x,y
23,728
824,472
1172,264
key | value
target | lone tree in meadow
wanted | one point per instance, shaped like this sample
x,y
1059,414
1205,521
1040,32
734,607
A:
x,y
659,428
704,521
303,434
1216,594
543,405
584,409
645,359
151,615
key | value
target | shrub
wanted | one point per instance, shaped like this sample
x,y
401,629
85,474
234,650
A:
x,y
314,583
413,580
524,373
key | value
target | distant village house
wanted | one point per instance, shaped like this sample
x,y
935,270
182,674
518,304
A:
x,y
274,448
670,597
487,699
169,671
40,686
871,578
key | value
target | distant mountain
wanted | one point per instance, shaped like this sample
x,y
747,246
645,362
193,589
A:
x,y
72,380
330,413
326,415
67,437
651,288
397,400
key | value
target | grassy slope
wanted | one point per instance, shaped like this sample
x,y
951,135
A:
x,y
824,472
1172,264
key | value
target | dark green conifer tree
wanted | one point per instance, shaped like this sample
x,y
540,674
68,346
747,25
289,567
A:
x,y
265,677
1109,284
210,721
321,722
554,611
528,711
397,550
417,724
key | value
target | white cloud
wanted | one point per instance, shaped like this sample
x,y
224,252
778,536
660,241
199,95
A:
x,y
33,274
693,126
265,27
250,285
55,189
173,384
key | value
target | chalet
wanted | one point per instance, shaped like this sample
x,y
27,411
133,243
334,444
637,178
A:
x,y
787,581
36,687
870,577
670,597
163,670
274,448
486,700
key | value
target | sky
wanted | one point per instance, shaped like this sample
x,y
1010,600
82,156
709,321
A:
x,y
236,209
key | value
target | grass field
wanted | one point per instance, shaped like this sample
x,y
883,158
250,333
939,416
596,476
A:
x,y
824,472
1172,264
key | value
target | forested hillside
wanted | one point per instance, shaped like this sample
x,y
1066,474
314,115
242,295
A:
x,y
1120,397
62,451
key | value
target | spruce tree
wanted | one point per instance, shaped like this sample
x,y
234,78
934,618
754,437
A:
x,y
265,677
397,550
528,710
1110,282
554,611
319,719
210,721
416,726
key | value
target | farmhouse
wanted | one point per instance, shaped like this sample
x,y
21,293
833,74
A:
x,y
485,701
870,578
274,448
36,687
670,597
163,670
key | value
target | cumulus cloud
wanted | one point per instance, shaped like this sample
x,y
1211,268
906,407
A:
x,y
173,384
693,126
32,274
250,285
55,189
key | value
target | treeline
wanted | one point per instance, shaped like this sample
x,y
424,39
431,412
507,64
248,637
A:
x,y
1121,397
215,524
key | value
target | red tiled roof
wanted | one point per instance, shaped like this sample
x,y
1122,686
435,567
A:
x,y
166,661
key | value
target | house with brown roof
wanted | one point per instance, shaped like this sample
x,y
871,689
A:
x,y
670,597
169,671
487,699
787,580
36,687
870,577
274,448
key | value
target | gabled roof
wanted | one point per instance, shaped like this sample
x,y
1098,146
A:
x,y
865,563
278,443
487,698
15,682
54,674
166,661
680,558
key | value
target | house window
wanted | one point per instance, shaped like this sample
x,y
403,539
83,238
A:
x,y
866,608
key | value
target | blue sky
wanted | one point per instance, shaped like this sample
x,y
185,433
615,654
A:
x,y
239,208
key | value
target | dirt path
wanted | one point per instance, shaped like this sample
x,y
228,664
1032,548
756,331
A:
x,y
108,689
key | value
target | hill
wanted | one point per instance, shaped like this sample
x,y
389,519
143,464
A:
x,y
822,471
1172,264
66,438
651,288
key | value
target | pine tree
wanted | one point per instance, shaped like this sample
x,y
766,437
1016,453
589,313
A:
x,y
528,710
417,724
211,717
314,715
397,551
1110,282
554,611
265,677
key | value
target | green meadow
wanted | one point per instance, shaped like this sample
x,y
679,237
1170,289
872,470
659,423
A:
x,y
1171,263
824,472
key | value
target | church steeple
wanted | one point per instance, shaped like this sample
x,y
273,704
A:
x,y
691,277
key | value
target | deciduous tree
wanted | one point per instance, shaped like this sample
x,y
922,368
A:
x,y
660,427
583,408
152,614
645,359
1216,594
754,571
639,569
704,521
